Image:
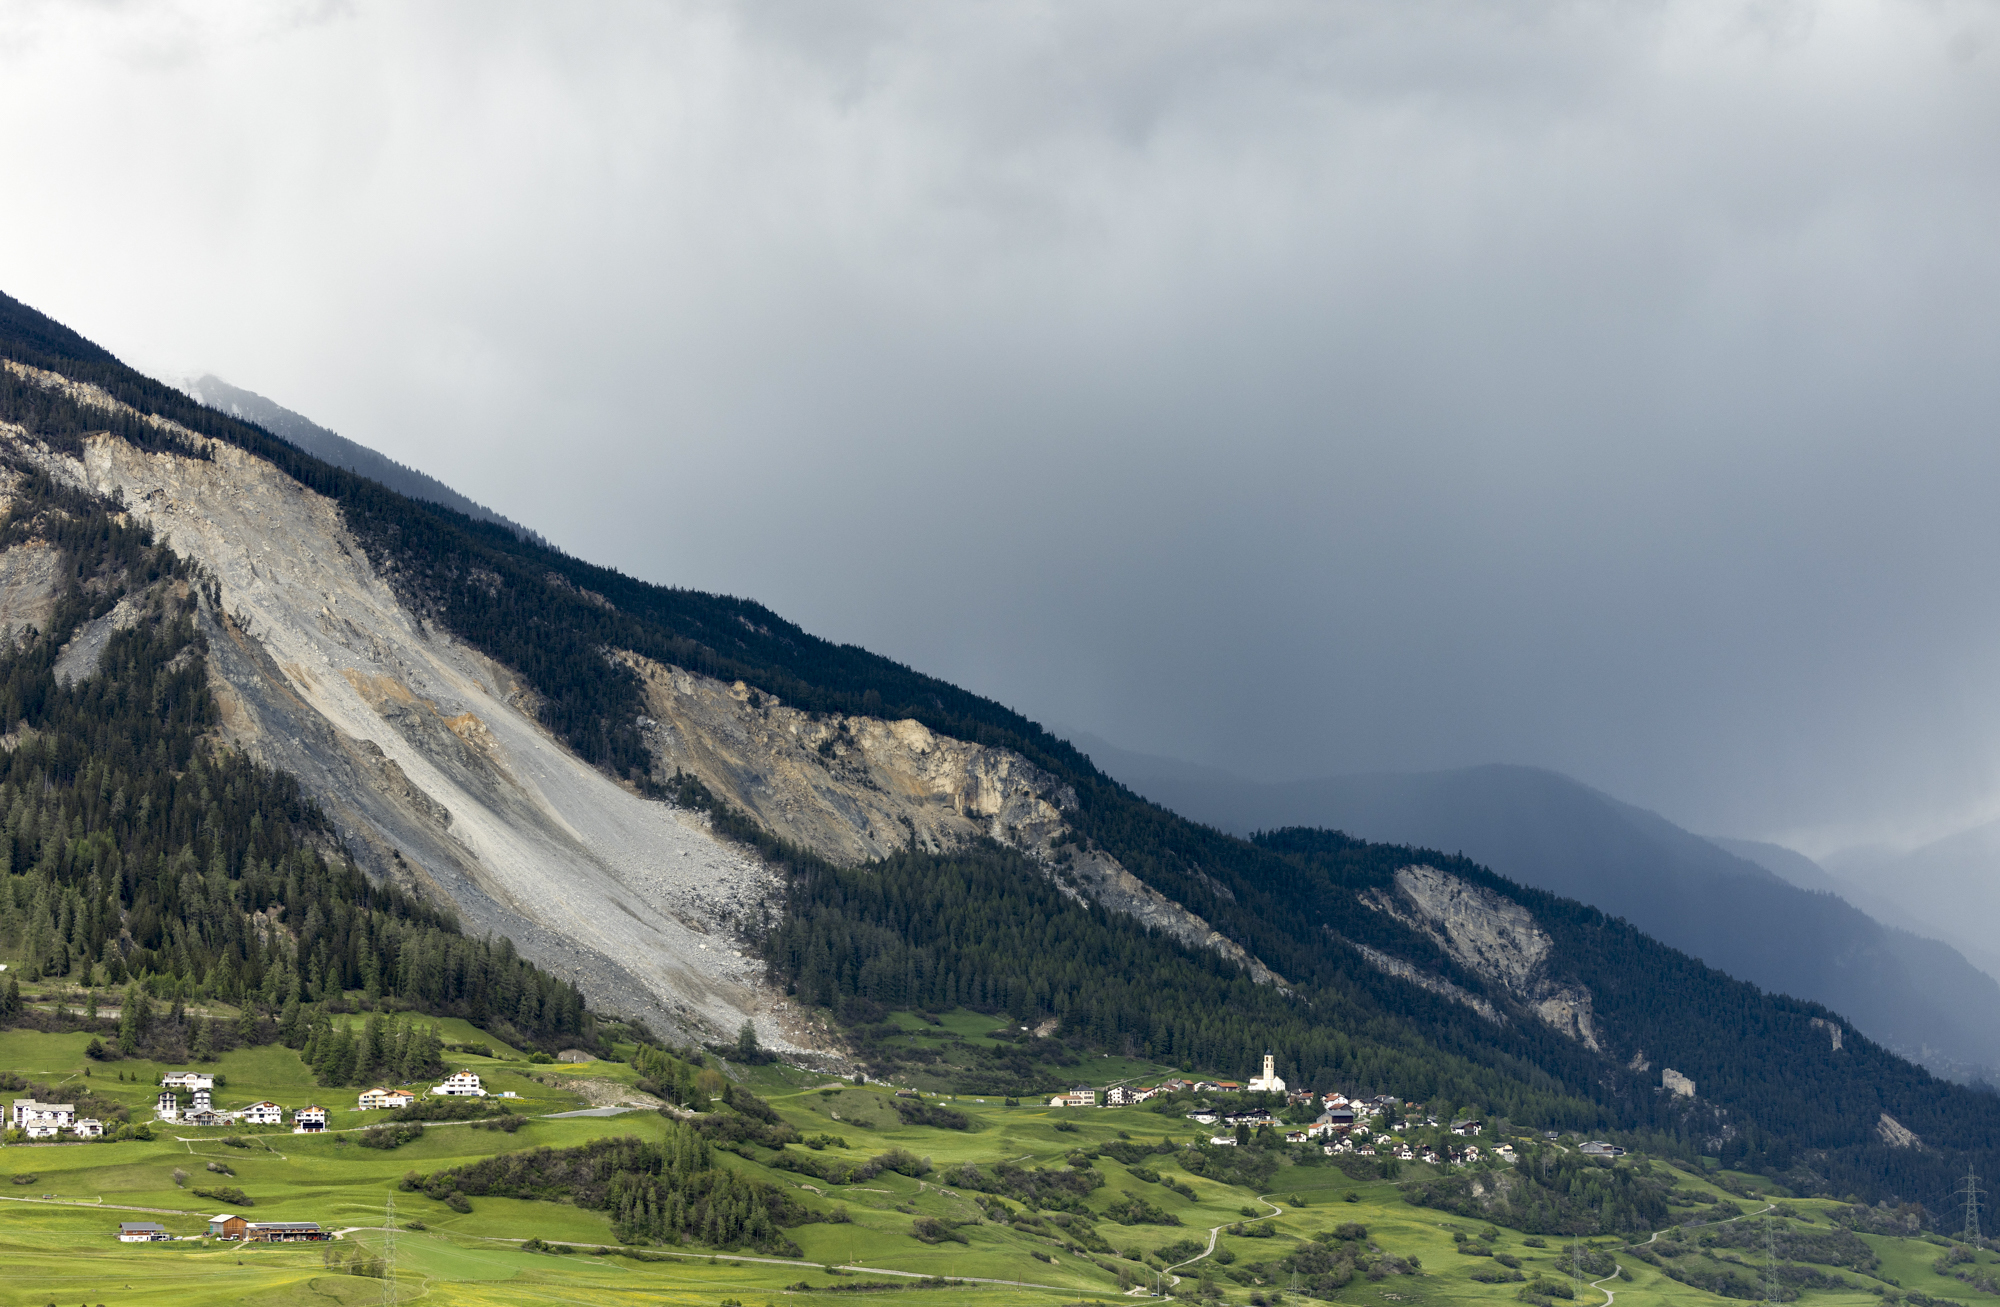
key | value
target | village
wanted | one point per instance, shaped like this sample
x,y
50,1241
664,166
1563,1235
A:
x,y
32,1121
1365,1127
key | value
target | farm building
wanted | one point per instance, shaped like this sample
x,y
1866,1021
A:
x,y
141,1232
282,1231
227,1226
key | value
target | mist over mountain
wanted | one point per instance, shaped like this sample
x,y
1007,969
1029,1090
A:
x,y
1776,919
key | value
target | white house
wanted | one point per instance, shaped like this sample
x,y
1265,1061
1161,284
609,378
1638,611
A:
x,y
202,1101
1081,1096
264,1113
186,1080
1223,1141
88,1127
378,1098
308,1120
1203,1118
463,1085
1268,1082
169,1108
207,1116
28,1114
1121,1096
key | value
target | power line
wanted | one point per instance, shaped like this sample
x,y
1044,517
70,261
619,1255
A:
x,y
389,1255
1972,1192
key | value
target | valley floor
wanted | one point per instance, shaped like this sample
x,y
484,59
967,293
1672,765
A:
x,y
58,1216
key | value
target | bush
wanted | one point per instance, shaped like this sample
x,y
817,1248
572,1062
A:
x,y
457,1201
390,1136
221,1168
931,1230
228,1195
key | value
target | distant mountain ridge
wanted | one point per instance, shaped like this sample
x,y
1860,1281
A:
x,y
341,452
1793,933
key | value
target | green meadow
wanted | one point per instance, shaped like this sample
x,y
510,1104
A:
x,y
60,1206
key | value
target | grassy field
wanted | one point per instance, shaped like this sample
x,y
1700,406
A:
x,y
59,1213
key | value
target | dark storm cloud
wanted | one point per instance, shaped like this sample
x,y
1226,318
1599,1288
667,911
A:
x,y
1293,387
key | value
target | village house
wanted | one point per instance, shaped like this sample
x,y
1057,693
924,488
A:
x,y
1120,1096
1225,1087
1223,1141
264,1113
169,1108
88,1127
1081,1096
1465,1127
141,1232
1598,1148
28,1114
465,1084
379,1098
201,1103
308,1120
187,1080
207,1116
1202,1118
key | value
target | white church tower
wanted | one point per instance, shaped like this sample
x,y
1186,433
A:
x,y
1268,1082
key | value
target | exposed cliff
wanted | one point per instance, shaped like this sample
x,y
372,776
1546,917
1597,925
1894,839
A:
x,y
1489,935
852,788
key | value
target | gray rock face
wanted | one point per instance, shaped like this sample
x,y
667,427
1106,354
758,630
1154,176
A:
x,y
1491,936
856,788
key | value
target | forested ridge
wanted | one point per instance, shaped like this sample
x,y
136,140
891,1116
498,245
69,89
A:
x,y
1773,1093
133,851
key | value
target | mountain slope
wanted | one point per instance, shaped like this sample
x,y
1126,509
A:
x,y
491,721
1538,828
341,452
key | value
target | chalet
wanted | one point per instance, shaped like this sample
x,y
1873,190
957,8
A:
x,y
463,1085
88,1127
1505,1152
141,1232
1081,1096
1120,1096
187,1080
1223,1141
1465,1127
201,1102
1334,1100
169,1108
226,1226
264,1113
283,1232
1295,1136
1598,1148
379,1098
207,1116
28,1114
308,1120
1300,1098
1203,1118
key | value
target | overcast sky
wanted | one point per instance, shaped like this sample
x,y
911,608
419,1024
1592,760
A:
x,y
1297,388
